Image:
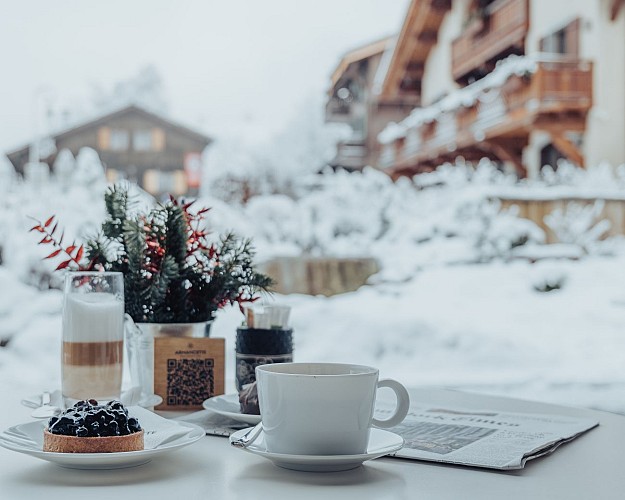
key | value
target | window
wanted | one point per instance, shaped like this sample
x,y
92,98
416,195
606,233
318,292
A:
x,y
119,140
112,175
563,41
549,155
158,182
142,140
555,43
104,138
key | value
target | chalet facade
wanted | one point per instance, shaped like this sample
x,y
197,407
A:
x,y
352,99
523,82
135,144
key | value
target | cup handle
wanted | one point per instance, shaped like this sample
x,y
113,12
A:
x,y
403,404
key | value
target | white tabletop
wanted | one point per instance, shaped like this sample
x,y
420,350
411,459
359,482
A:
x,y
590,467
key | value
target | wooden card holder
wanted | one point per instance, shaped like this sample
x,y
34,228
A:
x,y
187,371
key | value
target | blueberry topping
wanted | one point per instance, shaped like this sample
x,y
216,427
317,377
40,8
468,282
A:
x,y
89,419
133,425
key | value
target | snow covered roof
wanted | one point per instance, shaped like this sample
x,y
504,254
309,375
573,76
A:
x,y
359,54
464,97
104,118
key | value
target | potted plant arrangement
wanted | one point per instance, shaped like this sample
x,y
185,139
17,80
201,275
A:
x,y
173,273
175,277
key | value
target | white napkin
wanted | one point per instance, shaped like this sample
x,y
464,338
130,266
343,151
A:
x,y
158,431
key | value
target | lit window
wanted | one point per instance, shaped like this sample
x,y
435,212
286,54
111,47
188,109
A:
x,y
119,140
142,140
158,182
173,182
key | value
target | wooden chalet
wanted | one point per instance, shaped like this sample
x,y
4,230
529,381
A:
x,y
138,145
511,80
352,100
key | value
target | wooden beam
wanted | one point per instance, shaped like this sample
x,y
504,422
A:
x,y
410,84
440,5
415,66
427,37
615,9
567,148
559,123
505,152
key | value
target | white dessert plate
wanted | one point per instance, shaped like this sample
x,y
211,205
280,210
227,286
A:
x,y
380,443
28,438
228,406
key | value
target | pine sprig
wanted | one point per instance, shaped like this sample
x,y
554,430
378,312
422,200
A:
x,y
172,272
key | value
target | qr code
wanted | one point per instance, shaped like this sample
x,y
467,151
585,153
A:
x,y
190,381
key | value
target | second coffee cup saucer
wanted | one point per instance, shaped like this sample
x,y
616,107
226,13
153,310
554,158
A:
x,y
381,443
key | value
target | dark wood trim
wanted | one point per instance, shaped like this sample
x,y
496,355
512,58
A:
x,y
428,36
507,152
567,148
615,9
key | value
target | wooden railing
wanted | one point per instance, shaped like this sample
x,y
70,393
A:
x,y
351,154
554,87
564,83
504,26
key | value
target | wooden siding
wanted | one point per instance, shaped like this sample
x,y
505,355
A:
x,y
536,210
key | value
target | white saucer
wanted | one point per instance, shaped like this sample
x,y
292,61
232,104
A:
x,y
380,443
28,438
228,406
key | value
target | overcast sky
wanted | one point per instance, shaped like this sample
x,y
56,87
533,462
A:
x,y
225,64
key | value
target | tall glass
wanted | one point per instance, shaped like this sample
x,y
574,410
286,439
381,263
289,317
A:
x,y
93,336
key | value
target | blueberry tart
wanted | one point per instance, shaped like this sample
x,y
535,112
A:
x,y
88,427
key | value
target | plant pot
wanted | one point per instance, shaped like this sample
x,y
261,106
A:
x,y
140,348
259,346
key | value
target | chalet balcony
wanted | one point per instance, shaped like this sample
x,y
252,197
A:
x,y
351,155
500,31
494,116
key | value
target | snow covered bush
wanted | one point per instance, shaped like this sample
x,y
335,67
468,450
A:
x,y
449,216
579,224
498,232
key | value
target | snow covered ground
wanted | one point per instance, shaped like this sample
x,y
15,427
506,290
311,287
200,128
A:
x,y
451,307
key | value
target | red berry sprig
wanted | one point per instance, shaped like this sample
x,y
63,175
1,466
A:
x,y
73,251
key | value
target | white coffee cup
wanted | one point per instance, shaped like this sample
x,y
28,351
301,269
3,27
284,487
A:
x,y
322,408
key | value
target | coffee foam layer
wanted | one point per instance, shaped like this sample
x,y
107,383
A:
x,y
93,317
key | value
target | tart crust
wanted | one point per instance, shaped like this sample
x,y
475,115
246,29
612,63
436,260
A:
x,y
58,443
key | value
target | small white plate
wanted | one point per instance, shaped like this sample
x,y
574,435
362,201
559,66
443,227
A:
x,y
228,406
28,438
380,443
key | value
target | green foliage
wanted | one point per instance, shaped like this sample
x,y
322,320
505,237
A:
x,y
172,273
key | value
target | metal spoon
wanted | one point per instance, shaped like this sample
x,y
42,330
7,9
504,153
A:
x,y
46,410
248,438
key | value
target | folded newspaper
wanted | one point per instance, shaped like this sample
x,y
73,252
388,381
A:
x,y
491,439
486,438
